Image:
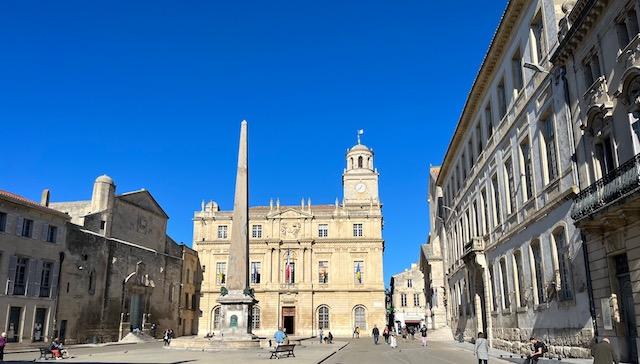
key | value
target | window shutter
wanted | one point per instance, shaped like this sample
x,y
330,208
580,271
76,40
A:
x,y
59,234
54,280
13,260
35,230
37,279
32,282
19,225
45,232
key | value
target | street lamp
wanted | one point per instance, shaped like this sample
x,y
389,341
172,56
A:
x,y
535,67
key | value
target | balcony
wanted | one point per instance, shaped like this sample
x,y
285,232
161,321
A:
x,y
619,183
597,101
476,245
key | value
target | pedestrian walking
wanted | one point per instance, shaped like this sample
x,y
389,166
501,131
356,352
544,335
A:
x,y
3,343
603,353
393,341
320,335
356,332
423,335
481,350
385,334
166,338
154,328
376,334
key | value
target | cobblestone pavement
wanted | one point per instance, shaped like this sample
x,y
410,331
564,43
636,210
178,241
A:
x,y
408,352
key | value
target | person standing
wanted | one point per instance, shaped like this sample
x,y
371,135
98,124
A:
x,y
320,335
166,338
356,332
393,341
376,334
481,350
603,353
423,335
3,343
385,334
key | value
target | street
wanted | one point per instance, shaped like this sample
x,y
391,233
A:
x,y
356,351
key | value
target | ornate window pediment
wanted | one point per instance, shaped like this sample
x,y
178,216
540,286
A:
x,y
598,104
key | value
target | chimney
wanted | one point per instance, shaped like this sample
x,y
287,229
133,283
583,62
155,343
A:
x,y
44,200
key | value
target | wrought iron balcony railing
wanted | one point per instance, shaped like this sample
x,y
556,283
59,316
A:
x,y
618,183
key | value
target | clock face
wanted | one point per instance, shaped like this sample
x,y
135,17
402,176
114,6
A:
x,y
361,187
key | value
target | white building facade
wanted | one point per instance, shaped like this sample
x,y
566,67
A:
x,y
515,264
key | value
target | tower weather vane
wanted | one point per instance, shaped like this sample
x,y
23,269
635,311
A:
x,y
360,132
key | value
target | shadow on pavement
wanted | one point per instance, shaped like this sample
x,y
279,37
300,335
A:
x,y
81,362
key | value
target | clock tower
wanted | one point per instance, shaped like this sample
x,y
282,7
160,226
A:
x,y
360,178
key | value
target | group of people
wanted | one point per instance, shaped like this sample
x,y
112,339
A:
x,y
390,335
328,339
168,335
602,352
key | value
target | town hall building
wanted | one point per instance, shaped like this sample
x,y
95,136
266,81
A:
x,y
311,266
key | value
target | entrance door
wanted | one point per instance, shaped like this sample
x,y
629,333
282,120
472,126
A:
x,y
135,311
627,308
38,324
63,330
13,332
289,320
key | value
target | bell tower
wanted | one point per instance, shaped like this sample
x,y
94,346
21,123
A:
x,y
360,178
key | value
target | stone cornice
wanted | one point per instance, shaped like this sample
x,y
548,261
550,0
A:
x,y
490,64
582,18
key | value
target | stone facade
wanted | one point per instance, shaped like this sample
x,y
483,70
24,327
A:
x,y
410,309
311,266
121,271
599,60
32,242
190,292
515,265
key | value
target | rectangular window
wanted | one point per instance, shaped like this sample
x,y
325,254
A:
x,y
358,271
502,100
20,278
52,234
256,272
3,221
323,230
519,278
323,271
403,300
564,263
222,232
506,302
464,168
416,299
485,211
496,200
538,45
221,273
526,167
479,140
45,279
494,296
472,157
536,254
256,231
510,184
549,143
488,119
604,156
357,230
27,228
476,218
516,72
591,69
409,283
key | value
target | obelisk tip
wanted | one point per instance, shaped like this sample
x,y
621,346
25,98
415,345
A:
x,y
244,122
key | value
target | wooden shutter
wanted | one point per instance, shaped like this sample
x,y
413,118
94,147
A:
x,y
35,230
13,260
32,281
45,232
19,225
54,280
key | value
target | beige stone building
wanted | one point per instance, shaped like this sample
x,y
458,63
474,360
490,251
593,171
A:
x,y
599,59
410,309
190,292
121,270
32,241
311,266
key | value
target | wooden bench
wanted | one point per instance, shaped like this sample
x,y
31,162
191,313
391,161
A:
x,y
285,350
45,353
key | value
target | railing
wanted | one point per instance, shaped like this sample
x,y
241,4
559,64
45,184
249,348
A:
x,y
475,245
614,185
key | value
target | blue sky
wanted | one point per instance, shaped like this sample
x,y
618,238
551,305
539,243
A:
x,y
153,92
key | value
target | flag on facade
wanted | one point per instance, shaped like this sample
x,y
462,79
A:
x,y
358,273
287,269
255,273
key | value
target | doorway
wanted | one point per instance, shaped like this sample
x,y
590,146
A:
x,y
63,330
135,311
289,320
627,307
13,332
38,324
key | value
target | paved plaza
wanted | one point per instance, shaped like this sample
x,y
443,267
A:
x,y
341,352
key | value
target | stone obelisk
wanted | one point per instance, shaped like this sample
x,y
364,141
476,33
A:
x,y
237,299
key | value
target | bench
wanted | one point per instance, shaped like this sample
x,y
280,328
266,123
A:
x,y
45,353
285,350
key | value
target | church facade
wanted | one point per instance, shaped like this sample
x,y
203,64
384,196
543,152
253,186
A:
x,y
311,266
